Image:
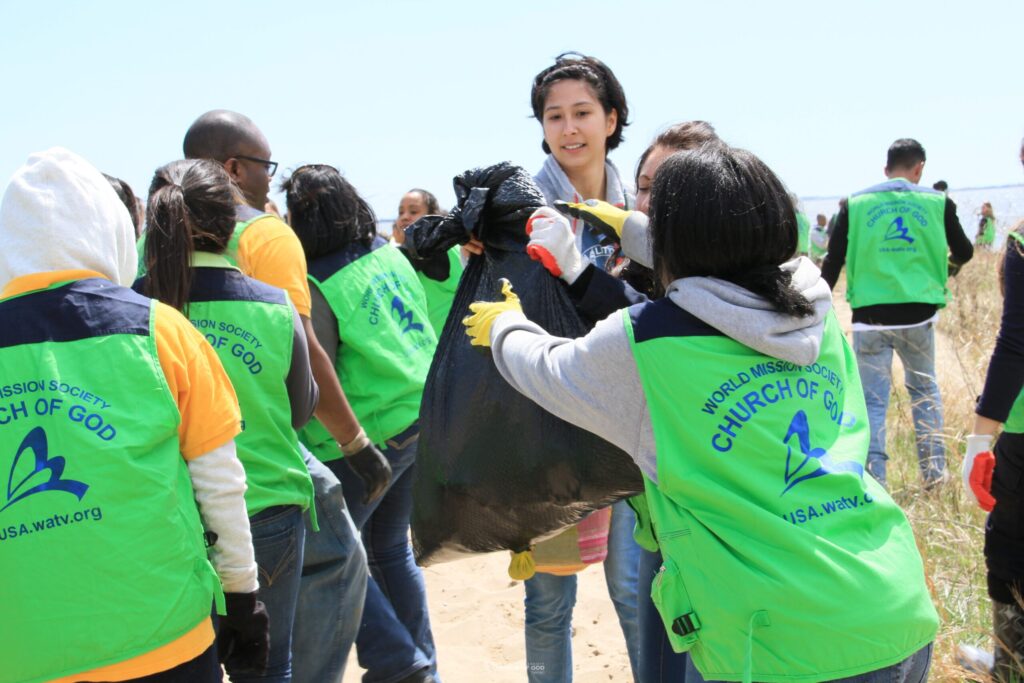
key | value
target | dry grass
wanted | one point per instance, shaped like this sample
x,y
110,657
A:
x,y
949,528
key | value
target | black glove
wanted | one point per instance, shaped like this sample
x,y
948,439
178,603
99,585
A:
x,y
243,640
372,467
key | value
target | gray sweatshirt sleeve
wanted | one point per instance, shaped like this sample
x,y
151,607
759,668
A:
x,y
591,382
303,393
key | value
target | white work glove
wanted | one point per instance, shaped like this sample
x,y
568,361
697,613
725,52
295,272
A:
x,y
553,243
977,469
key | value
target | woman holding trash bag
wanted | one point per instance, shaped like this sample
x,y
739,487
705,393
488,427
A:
x,y
582,110
763,483
370,314
597,294
191,220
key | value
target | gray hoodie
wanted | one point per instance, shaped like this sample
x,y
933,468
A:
x,y
593,381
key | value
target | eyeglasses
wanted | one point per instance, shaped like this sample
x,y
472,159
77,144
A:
x,y
270,166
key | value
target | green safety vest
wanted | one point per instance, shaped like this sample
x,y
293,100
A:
x,y
988,234
101,545
897,249
387,342
440,294
250,326
803,233
783,559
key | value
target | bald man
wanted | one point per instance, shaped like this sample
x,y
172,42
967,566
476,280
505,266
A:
x,y
334,571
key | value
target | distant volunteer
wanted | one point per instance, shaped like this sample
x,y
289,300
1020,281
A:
x,y
259,339
897,240
370,314
439,276
104,558
738,397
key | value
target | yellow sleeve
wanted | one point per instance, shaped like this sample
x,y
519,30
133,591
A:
x,y
210,416
270,252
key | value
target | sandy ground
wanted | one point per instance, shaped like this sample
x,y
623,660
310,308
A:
x,y
476,612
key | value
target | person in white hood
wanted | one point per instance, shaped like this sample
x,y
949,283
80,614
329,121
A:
x,y
117,437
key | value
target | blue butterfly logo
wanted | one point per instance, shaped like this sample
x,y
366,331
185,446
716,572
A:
x,y
36,442
816,461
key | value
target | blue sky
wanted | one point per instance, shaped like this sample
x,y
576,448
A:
x,y
404,94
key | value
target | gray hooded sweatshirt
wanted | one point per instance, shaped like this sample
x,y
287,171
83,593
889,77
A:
x,y
593,381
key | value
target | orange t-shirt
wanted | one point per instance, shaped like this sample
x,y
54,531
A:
x,y
210,418
270,252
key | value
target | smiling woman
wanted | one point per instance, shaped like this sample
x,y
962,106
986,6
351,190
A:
x,y
582,110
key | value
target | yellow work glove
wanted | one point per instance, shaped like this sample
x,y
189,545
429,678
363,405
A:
x,y
606,218
478,325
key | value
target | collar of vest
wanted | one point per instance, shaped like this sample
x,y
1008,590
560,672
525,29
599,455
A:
x,y
206,259
36,281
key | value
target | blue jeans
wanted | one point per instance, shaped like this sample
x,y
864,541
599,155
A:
x,y
658,662
913,669
332,588
550,600
394,639
278,534
916,348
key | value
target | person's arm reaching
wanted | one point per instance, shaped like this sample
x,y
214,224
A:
x,y
570,377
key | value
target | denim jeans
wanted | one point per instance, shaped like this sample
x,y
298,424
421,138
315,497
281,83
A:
x,y
550,600
394,638
913,669
332,588
657,661
916,348
278,534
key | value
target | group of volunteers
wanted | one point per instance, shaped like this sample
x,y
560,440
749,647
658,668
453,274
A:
x,y
211,432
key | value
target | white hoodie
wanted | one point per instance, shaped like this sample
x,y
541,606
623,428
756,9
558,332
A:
x,y
60,213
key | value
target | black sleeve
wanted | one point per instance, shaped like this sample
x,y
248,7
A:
x,y
1006,370
303,393
837,243
960,248
597,294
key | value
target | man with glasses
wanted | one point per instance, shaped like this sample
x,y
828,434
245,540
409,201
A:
x,y
333,584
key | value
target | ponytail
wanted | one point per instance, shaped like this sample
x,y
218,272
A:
x,y
191,207
169,248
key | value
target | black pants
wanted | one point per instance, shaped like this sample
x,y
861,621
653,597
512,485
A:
x,y
1004,530
202,669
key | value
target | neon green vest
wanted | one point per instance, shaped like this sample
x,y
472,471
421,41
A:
x,y
803,231
440,294
783,561
988,234
101,545
231,253
387,342
897,249
249,324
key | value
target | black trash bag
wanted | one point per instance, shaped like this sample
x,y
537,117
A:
x,y
495,470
